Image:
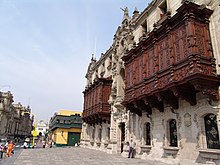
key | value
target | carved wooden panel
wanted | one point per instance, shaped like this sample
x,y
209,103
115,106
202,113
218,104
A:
x,y
180,58
200,39
180,43
96,107
139,69
149,57
130,75
163,53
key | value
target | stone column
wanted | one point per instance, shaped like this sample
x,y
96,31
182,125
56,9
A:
x,y
113,129
168,6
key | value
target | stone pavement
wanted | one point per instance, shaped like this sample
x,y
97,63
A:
x,y
70,156
11,160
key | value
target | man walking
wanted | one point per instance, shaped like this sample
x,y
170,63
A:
x,y
131,149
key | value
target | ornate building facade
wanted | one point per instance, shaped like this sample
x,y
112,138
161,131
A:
x,y
158,84
15,120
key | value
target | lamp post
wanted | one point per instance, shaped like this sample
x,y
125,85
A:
x,y
34,131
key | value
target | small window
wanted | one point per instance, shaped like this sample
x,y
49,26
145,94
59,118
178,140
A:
x,y
211,129
147,134
110,57
108,133
173,133
100,134
93,133
163,9
110,63
144,27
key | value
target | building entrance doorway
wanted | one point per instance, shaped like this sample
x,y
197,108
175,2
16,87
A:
x,y
122,128
73,138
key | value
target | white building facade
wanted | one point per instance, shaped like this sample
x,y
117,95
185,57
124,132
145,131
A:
x,y
164,71
42,128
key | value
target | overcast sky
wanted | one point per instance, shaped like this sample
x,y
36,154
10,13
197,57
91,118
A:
x,y
46,46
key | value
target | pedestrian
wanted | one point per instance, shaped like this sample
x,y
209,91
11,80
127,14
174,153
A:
x,y
25,145
1,150
51,144
5,150
77,144
132,145
44,144
10,148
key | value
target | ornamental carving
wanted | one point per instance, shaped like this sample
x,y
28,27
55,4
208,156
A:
x,y
187,120
96,96
189,67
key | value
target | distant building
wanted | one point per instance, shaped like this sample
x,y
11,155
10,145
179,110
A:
x,y
15,119
42,128
6,114
65,127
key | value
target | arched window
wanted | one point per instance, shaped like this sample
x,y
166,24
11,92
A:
x,y
108,133
93,133
173,133
122,127
211,129
100,133
147,132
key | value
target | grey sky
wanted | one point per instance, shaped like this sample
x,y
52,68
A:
x,y
46,45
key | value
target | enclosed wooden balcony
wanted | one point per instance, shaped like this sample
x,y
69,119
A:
x,y
174,61
96,106
61,121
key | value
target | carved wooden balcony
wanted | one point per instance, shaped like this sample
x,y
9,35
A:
x,y
96,106
174,61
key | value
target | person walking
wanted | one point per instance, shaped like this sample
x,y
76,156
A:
x,y
132,145
1,150
10,148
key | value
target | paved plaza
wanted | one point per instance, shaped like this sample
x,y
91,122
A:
x,y
70,156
